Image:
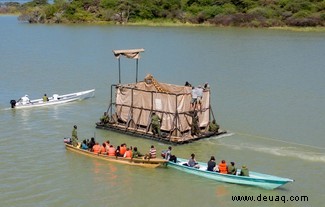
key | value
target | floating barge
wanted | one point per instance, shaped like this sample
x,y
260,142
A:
x,y
132,105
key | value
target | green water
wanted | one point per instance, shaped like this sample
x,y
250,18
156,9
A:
x,y
267,91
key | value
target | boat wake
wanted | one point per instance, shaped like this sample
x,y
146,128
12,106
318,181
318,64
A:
x,y
295,152
228,134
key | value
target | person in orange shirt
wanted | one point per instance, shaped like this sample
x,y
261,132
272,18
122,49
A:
x,y
223,169
96,148
122,149
111,151
128,153
107,145
103,149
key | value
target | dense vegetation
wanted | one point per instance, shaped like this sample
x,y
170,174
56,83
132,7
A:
x,y
253,13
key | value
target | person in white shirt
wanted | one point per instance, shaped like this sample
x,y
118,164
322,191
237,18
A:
x,y
25,100
199,93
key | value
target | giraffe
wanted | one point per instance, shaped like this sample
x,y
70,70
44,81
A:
x,y
150,79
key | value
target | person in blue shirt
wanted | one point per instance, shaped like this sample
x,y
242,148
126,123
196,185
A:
x,y
84,145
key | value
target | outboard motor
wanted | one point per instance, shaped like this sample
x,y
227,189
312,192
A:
x,y
13,103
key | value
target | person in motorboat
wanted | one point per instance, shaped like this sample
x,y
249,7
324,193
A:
x,y
192,162
211,164
74,136
25,100
244,171
232,169
55,97
223,169
167,155
45,98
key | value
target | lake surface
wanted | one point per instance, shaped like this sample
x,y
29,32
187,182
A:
x,y
267,92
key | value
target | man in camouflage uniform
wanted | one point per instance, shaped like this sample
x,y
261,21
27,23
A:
x,y
155,121
74,136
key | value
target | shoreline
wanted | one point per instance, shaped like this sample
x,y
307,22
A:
x,y
180,24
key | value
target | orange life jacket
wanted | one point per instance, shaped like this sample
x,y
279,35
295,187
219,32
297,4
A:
x,y
128,154
96,148
223,168
102,149
111,151
122,150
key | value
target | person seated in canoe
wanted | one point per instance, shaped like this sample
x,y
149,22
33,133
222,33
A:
x,y
91,143
111,151
223,169
96,148
155,124
103,149
117,151
104,119
212,164
84,145
244,171
192,162
123,149
45,98
232,169
128,153
136,153
152,153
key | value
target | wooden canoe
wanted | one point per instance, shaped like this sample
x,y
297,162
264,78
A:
x,y
149,163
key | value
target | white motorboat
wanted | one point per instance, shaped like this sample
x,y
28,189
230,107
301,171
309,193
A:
x,y
25,102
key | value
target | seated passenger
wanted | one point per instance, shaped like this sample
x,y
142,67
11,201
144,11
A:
x,y
103,149
136,153
111,150
152,152
192,162
232,169
117,151
122,149
84,145
128,153
223,167
107,145
91,143
211,164
96,148
244,171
